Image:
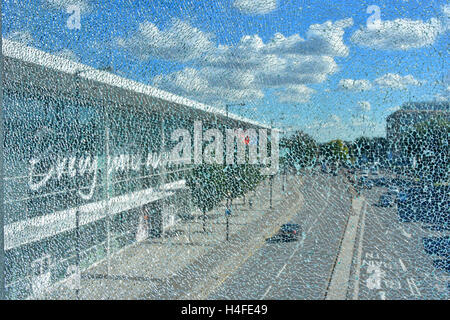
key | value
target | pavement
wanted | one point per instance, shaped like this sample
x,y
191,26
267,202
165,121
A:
x,y
298,269
187,261
349,249
390,262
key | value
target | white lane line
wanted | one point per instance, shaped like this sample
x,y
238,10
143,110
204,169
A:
x,y
413,287
281,270
402,265
382,295
300,244
338,282
404,233
267,291
359,257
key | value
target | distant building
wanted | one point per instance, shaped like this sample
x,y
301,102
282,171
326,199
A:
x,y
412,113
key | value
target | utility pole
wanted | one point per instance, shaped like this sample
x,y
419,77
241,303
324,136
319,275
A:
x,y
2,189
271,176
227,215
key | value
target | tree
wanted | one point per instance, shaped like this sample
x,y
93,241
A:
x,y
372,149
299,151
206,183
212,183
335,152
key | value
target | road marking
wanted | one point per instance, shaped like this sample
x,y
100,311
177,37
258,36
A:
x,y
402,265
338,282
413,287
267,291
281,270
209,289
382,295
300,245
359,257
404,233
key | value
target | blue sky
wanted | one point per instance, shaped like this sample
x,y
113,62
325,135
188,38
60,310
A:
x,y
337,77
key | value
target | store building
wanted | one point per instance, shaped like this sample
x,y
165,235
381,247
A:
x,y
86,169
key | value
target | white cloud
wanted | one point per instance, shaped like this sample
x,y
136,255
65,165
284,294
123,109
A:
x,y
283,63
295,69
294,94
446,16
399,34
205,85
364,105
355,85
181,42
321,39
396,81
362,121
444,96
256,6
24,37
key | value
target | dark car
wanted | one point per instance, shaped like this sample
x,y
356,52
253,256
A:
x,y
365,182
290,231
380,182
437,246
386,200
428,205
443,264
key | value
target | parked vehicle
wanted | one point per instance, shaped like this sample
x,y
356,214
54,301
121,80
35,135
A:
x,y
386,200
428,205
374,171
365,182
290,231
437,246
380,182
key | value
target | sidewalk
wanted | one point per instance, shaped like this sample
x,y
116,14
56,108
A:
x,y
187,262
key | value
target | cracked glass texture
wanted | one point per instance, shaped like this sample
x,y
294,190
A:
x,y
264,149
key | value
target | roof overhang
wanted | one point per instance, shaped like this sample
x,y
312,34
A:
x,y
40,72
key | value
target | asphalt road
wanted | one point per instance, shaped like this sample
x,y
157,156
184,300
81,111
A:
x,y
388,259
393,263
299,269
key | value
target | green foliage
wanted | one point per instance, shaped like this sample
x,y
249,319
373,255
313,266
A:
x,y
212,183
299,151
373,149
335,151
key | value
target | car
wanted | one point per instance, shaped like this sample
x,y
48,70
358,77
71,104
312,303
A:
x,y
325,168
386,200
380,182
290,231
443,264
365,182
374,171
439,246
393,189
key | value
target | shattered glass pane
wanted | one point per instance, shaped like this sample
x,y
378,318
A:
x,y
238,149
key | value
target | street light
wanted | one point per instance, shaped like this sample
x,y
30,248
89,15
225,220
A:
x,y
271,177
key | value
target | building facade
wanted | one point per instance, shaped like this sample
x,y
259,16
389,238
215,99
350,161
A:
x,y
87,170
413,113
